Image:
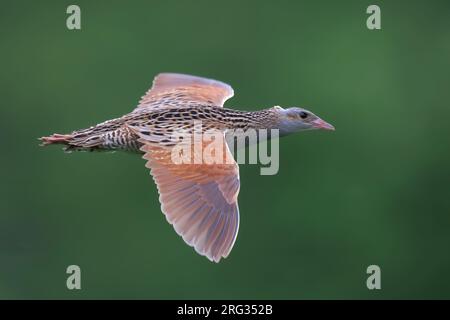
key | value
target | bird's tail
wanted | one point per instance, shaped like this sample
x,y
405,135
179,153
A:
x,y
56,139
74,142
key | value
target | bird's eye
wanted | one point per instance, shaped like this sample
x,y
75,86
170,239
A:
x,y
303,115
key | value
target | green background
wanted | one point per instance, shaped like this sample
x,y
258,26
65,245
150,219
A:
x,y
375,191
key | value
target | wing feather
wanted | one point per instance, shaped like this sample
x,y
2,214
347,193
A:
x,y
199,200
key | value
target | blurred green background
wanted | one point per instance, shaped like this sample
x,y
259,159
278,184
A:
x,y
375,191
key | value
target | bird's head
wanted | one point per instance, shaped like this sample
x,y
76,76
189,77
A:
x,y
298,119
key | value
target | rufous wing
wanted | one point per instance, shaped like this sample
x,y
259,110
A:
x,y
199,200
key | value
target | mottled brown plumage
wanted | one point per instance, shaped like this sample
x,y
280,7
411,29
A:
x,y
200,200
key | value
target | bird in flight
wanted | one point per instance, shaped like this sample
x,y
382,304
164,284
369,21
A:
x,y
200,200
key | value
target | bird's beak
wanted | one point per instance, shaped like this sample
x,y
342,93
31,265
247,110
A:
x,y
320,124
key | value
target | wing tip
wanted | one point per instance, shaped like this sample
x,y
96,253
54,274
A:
x,y
205,253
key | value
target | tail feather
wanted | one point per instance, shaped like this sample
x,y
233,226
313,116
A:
x,y
74,141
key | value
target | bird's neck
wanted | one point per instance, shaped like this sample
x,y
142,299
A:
x,y
261,119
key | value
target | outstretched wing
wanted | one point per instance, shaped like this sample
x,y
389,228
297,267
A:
x,y
173,89
199,200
